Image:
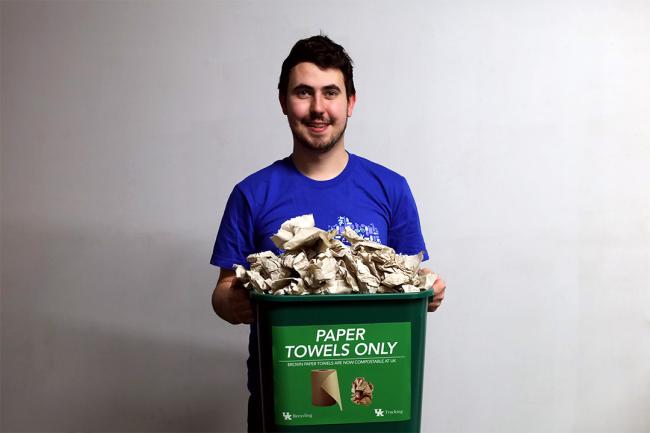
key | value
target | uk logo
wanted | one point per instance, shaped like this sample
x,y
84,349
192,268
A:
x,y
379,412
287,416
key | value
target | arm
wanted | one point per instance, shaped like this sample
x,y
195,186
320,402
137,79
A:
x,y
230,300
405,236
439,287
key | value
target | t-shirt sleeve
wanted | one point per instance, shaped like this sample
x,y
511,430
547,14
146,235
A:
x,y
404,231
235,238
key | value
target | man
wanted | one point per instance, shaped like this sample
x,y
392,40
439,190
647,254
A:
x,y
317,94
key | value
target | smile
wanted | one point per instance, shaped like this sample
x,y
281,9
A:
x,y
317,127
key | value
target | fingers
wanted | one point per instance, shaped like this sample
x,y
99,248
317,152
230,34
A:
x,y
240,306
433,305
439,287
245,316
424,271
242,311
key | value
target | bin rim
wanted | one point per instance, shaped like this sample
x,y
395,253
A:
x,y
265,297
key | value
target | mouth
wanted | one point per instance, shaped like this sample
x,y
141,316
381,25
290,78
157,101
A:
x,y
317,127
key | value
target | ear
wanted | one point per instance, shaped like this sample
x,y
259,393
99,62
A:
x,y
283,102
351,101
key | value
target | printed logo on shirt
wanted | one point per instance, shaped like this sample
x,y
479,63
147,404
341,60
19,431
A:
x,y
368,232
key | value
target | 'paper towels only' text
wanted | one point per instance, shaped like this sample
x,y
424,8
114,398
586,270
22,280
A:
x,y
334,343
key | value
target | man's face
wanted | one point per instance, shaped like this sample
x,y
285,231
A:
x,y
316,106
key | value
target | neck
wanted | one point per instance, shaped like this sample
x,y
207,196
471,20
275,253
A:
x,y
320,166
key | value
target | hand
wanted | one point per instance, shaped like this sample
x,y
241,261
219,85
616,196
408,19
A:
x,y
439,287
231,301
239,306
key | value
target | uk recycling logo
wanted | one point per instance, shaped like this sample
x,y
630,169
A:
x,y
379,412
287,416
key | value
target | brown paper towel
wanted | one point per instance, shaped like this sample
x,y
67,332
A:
x,y
325,388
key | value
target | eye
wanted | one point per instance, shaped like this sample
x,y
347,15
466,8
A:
x,y
331,93
303,92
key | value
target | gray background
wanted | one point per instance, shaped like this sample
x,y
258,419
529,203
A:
x,y
522,127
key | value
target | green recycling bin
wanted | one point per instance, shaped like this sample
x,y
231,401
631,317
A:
x,y
342,363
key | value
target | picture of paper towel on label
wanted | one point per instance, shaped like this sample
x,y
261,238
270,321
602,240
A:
x,y
362,391
325,388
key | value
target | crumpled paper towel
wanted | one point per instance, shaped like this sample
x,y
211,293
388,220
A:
x,y
314,262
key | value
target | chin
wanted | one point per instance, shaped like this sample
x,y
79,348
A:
x,y
318,149
322,147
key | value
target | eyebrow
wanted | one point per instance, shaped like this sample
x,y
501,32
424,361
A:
x,y
328,87
332,87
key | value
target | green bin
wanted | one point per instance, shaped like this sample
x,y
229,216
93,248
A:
x,y
342,363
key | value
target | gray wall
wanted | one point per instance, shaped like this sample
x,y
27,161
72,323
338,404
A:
x,y
522,127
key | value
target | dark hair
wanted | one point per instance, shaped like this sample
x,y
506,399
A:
x,y
324,53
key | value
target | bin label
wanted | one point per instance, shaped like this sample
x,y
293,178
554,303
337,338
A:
x,y
341,374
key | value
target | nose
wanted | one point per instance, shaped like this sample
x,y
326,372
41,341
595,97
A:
x,y
317,104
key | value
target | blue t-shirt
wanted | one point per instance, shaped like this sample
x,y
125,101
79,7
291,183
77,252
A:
x,y
374,201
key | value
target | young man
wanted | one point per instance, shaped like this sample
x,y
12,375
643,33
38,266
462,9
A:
x,y
320,177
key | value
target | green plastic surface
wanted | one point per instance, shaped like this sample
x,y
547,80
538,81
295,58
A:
x,y
273,310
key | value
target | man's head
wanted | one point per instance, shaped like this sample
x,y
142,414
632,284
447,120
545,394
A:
x,y
317,93
324,53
